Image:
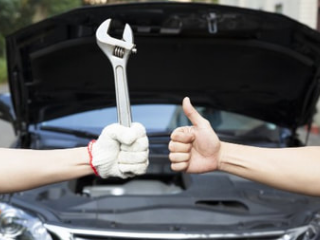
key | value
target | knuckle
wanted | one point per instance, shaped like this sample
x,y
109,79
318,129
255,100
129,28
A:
x,y
189,147
206,122
178,167
173,135
171,157
175,167
171,146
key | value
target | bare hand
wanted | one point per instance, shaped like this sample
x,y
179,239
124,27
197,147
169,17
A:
x,y
194,149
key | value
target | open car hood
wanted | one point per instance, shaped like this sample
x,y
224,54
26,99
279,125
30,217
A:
x,y
250,62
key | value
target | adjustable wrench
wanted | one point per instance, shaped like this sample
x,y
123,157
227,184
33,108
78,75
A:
x,y
118,52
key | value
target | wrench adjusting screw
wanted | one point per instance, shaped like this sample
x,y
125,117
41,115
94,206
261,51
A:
x,y
118,52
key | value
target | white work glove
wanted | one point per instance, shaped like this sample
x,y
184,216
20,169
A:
x,y
120,151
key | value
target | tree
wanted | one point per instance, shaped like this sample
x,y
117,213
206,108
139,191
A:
x,y
16,14
48,8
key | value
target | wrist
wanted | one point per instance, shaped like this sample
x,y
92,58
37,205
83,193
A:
x,y
89,149
225,148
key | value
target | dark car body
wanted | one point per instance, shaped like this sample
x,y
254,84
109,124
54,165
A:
x,y
253,75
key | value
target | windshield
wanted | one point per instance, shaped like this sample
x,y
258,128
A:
x,y
159,118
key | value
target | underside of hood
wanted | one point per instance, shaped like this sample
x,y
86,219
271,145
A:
x,y
259,64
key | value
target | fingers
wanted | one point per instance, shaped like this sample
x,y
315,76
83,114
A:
x,y
179,167
133,163
130,135
141,144
131,158
191,113
183,135
121,151
124,134
179,157
179,147
138,129
131,170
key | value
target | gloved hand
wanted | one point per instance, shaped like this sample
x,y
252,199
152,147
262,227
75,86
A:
x,y
120,151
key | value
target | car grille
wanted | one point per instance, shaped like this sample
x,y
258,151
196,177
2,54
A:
x,y
106,238
64,233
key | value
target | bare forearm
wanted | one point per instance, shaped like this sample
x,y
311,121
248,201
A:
x,y
25,169
292,169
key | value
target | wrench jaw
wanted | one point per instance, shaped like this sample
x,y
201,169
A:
x,y
113,47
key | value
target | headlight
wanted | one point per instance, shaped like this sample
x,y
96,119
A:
x,y
17,224
307,232
313,231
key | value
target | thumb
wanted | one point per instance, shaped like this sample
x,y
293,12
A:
x,y
191,113
117,132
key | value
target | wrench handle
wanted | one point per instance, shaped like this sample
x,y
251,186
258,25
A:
x,y
122,96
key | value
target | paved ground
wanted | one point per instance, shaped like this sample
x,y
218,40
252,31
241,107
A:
x,y
7,133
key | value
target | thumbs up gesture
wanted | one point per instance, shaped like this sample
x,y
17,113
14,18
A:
x,y
196,148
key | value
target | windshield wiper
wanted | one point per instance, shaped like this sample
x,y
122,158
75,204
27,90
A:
x,y
77,133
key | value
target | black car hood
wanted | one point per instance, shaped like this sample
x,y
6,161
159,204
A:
x,y
228,205
251,62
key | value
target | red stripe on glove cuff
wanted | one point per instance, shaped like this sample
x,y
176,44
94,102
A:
x,y
90,144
